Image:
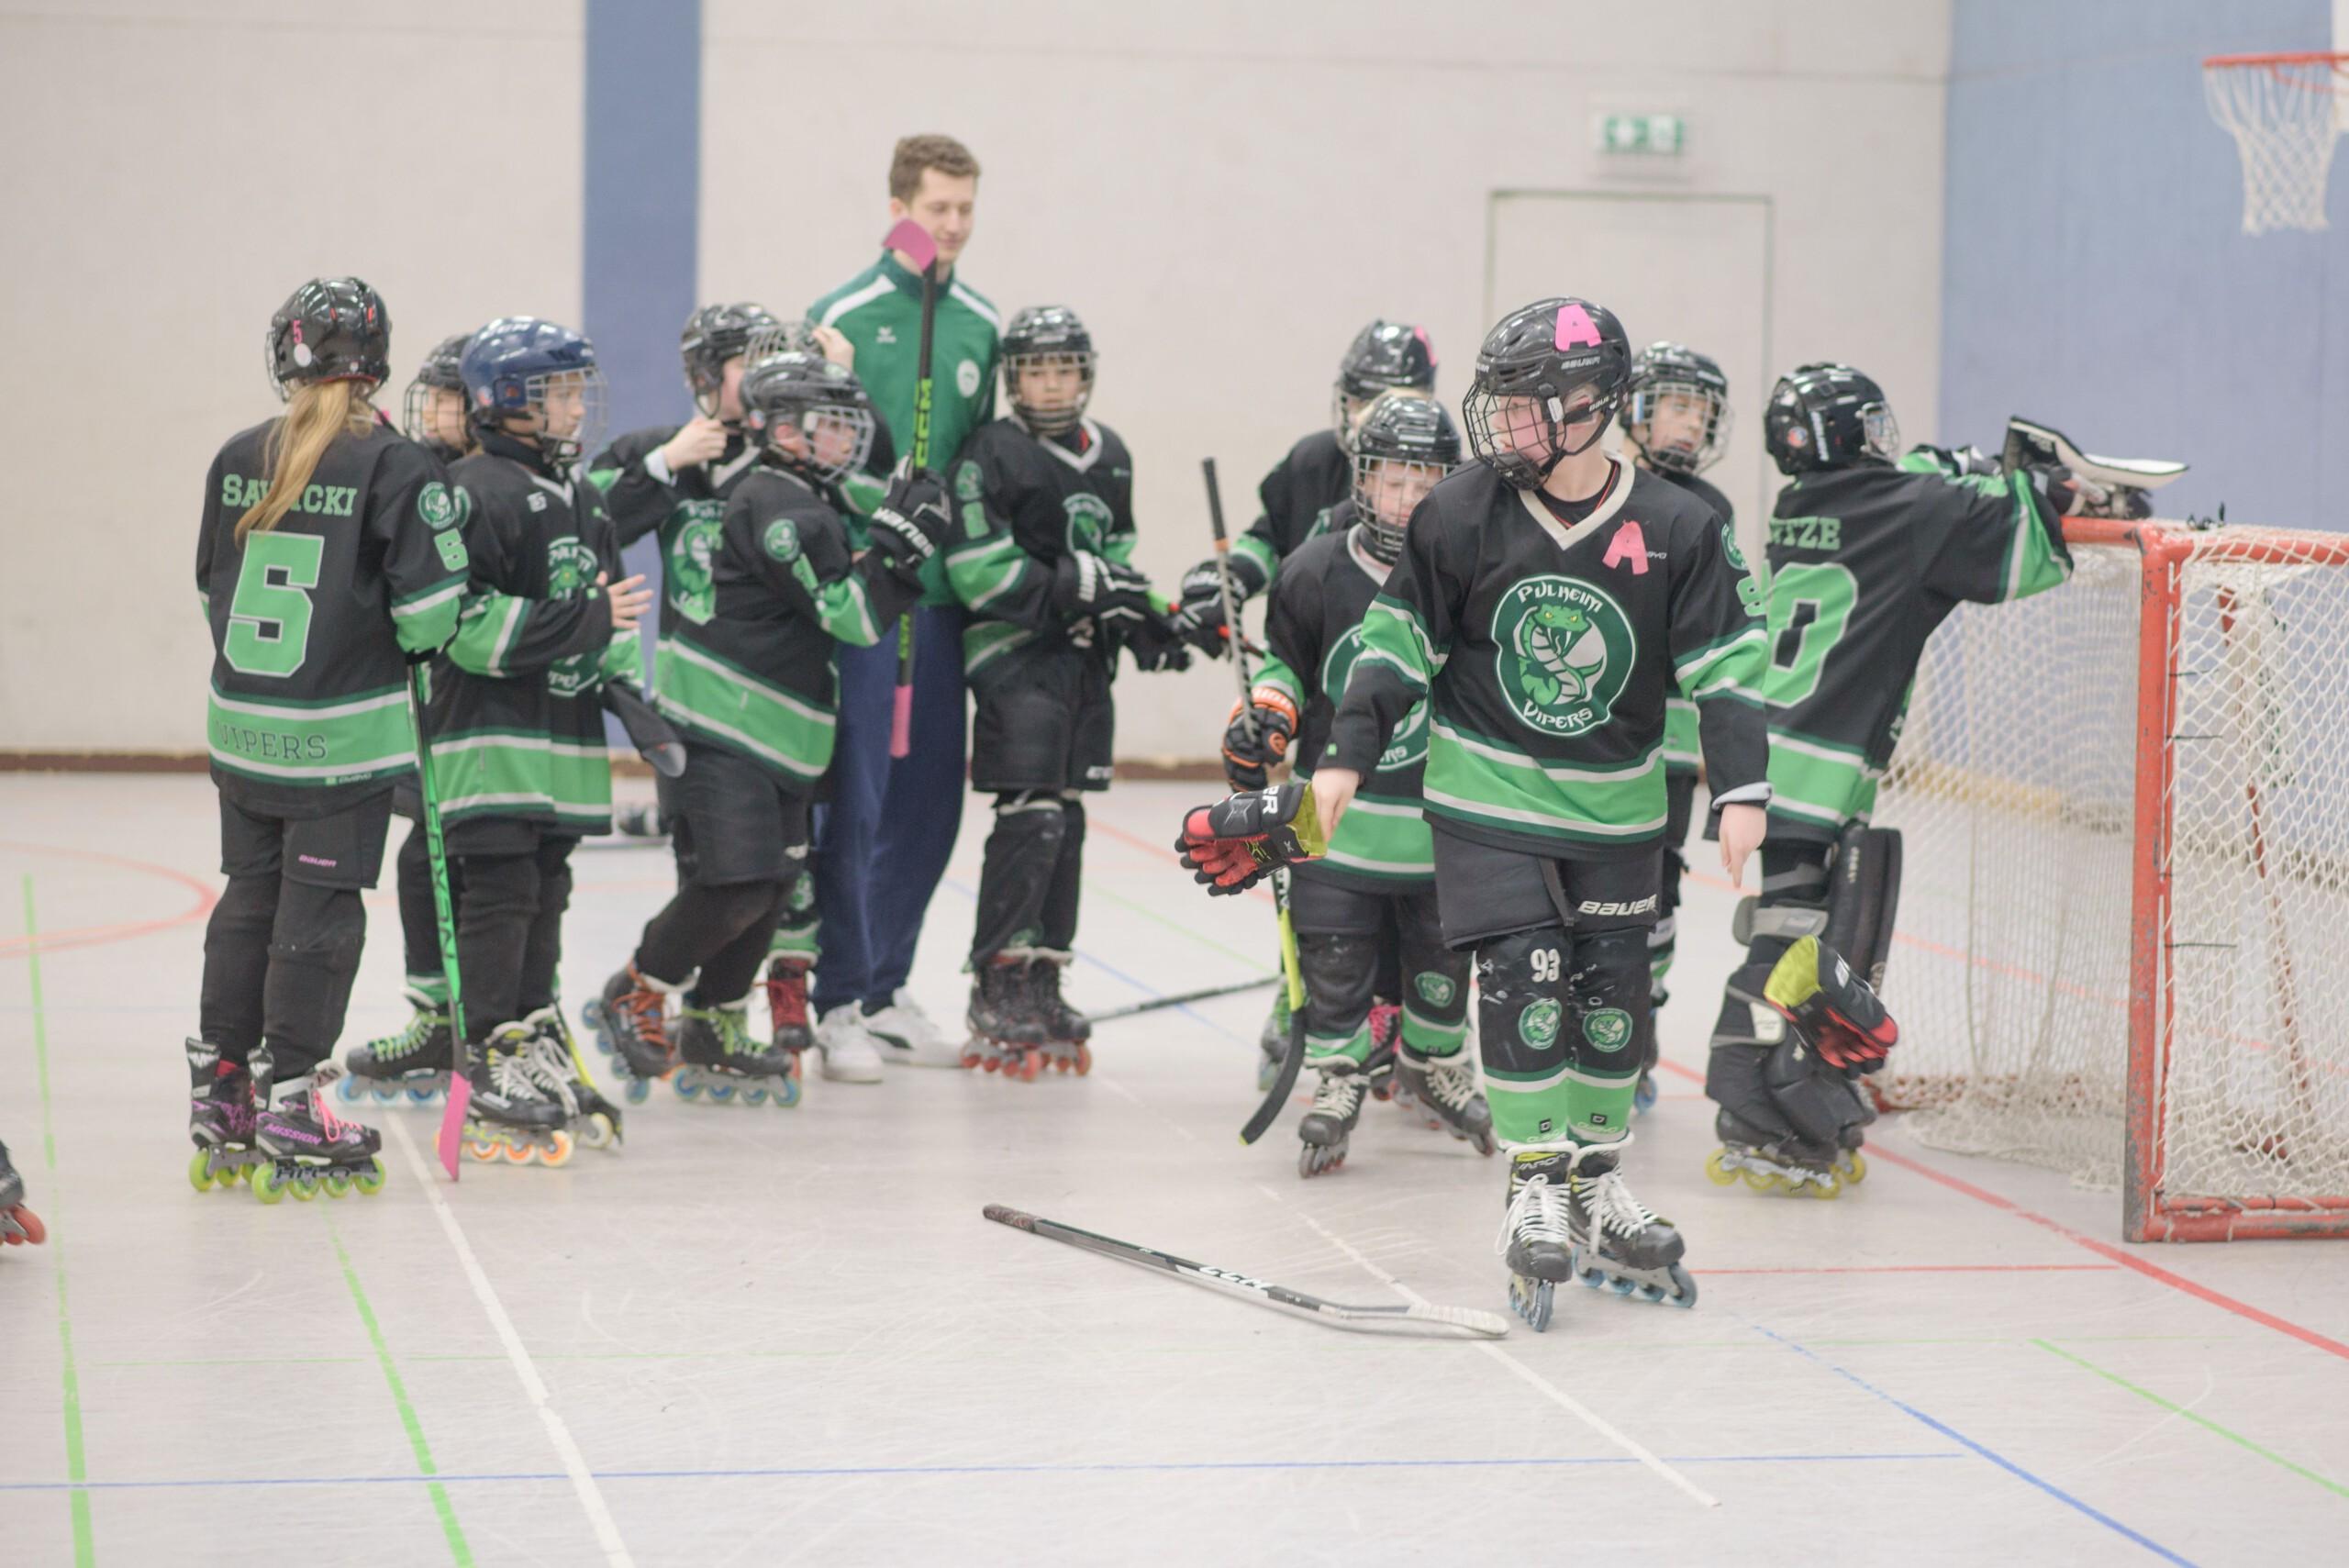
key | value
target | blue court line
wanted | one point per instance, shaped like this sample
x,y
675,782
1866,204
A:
x,y
2001,1461
821,1472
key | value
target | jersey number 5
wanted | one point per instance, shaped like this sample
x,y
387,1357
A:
x,y
268,620
1810,608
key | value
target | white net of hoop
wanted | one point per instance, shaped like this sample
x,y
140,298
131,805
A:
x,y
2282,113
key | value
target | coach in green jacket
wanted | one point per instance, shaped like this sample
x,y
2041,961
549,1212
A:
x,y
884,841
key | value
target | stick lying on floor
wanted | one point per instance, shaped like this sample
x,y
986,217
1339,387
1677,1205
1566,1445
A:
x,y
1466,1320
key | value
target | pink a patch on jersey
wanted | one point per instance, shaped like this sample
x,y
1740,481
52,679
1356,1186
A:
x,y
1575,328
1628,544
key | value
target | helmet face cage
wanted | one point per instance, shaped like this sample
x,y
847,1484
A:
x,y
716,334
1523,436
1061,412
566,411
1697,416
435,415
832,438
1880,432
1387,490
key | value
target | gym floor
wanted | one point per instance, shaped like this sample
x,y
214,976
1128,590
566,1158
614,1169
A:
x,y
787,1336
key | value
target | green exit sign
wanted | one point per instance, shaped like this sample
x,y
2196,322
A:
x,y
1654,135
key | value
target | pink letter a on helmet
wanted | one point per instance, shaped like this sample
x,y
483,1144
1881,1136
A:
x,y
1576,326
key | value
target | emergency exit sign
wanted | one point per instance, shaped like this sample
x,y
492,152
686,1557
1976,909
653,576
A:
x,y
1649,135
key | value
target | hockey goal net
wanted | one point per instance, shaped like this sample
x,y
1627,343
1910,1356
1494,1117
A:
x,y
2122,945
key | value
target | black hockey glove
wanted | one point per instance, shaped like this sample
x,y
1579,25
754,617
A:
x,y
1834,1011
1156,645
1237,842
912,521
1247,758
1085,585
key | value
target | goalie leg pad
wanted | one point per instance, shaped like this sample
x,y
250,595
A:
x,y
1864,897
1818,1102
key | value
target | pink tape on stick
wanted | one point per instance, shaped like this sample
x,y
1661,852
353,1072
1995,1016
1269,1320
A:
x,y
911,241
901,722
453,1123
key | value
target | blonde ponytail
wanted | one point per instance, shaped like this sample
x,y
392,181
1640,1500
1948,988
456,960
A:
x,y
316,413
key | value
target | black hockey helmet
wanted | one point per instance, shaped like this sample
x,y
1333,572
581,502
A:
x,y
823,403
1384,356
1404,437
329,329
440,372
1047,334
1532,365
1667,371
512,365
714,334
1828,416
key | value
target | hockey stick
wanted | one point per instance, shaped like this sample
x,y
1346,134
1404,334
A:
x,y
652,736
1467,1320
1207,994
910,239
1293,1062
450,1138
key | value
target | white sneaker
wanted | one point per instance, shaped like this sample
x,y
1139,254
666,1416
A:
x,y
851,1054
908,1038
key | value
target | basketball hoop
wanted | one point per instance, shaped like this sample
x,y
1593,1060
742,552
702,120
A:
x,y
2281,110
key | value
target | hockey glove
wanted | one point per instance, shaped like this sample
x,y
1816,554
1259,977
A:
x,y
1233,845
1834,1011
1156,645
1247,758
1088,585
911,522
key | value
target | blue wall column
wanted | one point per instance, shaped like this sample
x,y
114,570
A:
x,y
643,208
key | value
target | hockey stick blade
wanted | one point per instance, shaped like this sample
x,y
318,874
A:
x,y
1207,995
1373,1319
911,241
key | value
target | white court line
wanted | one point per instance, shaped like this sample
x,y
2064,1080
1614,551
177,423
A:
x,y
583,1480
1564,1400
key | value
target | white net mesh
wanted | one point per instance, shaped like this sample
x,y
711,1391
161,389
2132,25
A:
x,y
2015,789
2281,111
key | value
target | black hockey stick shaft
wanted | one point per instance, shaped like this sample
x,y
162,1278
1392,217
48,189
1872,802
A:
x,y
1293,1060
1207,994
1229,596
445,918
653,737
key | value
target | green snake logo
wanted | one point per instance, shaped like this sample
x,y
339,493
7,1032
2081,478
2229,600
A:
x,y
691,560
1562,650
1409,745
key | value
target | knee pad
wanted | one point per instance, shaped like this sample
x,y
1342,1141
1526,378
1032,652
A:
x,y
1521,987
247,905
1339,971
1034,820
1613,1007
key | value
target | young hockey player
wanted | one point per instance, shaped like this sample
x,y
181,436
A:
x,y
1546,603
751,684
329,553
1046,500
673,481
434,418
1869,553
517,721
1677,424
1315,474
1379,874
18,1225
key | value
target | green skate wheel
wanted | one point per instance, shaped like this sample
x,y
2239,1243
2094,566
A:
x,y
337,1183
1720,1174
305,1187
369,1182
198,1176
266,1187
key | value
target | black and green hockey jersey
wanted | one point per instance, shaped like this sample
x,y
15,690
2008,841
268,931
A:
x,y
758,677
1548,650
1314,475
1313,624
517,715
1682,752
1865,563
313,620
1023,502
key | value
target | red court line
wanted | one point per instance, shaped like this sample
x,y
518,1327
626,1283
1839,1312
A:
x,y
2103,1250
1932,1269
94,936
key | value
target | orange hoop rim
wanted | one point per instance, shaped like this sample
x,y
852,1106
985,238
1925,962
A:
x,y
2241,62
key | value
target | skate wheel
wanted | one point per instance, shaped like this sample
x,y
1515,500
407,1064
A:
x,y
787,1092
368,1181
1643,1098
1031,1062
596,1130
687,1089
1684,1289
1532,1299
990,1063
35,1232
559,1154
754,1097
337,1183
423,1097
1485,1144
1856,1170
1083,1060
515,1154
1826,1186
348,1090
1763,1181
638,1091
1720,1174
721,1093
199,1171
483,1150
266,1186
306,1188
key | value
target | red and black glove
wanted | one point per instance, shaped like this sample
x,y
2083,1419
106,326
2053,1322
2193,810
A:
x,y
1248,758
1237,842
1835,1011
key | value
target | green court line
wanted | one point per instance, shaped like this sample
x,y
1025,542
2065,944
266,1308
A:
x,y
457,1548
85,1548
1093,889
2199,1420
